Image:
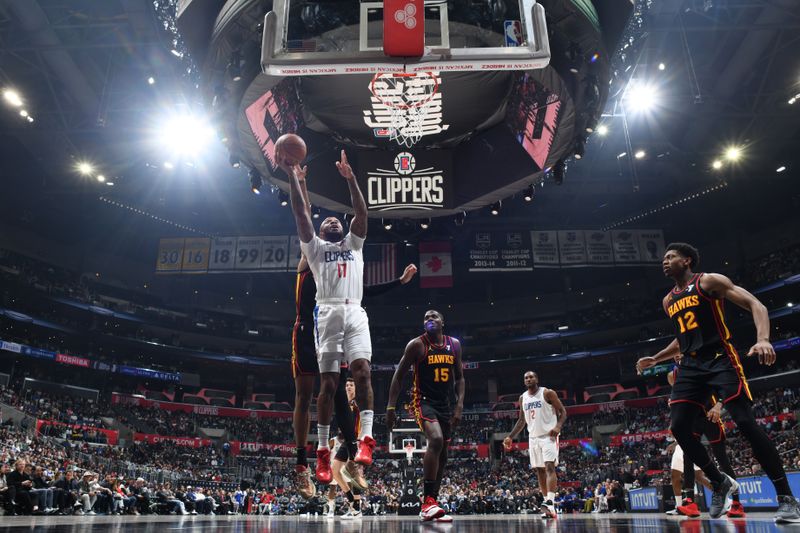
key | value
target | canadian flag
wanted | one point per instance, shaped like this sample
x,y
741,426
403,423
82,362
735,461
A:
x,y
436,264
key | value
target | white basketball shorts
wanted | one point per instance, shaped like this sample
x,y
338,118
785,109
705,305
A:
x,y
543,450
341,333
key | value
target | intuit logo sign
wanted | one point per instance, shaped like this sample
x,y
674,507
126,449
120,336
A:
x,y
644,499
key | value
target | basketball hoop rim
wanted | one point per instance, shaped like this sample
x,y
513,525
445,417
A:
x,y
404,75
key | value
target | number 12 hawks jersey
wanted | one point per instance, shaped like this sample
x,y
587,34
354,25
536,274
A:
x,y
698,318
338,268
433,374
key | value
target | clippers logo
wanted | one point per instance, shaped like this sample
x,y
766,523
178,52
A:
x,y
399,107
404,163
405,187
406,17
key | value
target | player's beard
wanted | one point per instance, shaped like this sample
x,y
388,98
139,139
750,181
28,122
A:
x,y
333,236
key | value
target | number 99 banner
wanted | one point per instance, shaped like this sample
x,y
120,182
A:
x,y
225,254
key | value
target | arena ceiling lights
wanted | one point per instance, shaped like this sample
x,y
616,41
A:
x,y
184,135
641,97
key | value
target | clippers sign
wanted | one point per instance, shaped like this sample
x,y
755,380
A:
x,y
406,181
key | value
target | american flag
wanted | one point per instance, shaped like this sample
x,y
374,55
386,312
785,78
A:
x,y
301,45
380,263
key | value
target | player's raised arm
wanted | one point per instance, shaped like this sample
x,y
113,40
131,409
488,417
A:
x,y
410,356
722,287
518,427
561,412
302,214
460,384
358,226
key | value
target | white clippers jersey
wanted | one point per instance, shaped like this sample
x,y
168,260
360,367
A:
x,y
540,415
338,267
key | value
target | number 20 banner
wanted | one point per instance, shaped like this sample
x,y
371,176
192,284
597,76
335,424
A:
x,y
227,254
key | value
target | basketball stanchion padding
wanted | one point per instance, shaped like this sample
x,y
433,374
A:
x,y
404,28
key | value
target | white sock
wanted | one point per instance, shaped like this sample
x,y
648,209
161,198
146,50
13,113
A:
x,y
323,433
366,424
551,496
678,501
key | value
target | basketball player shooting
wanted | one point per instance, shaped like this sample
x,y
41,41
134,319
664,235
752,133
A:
x,y
710,365
541,410
437,370
341,326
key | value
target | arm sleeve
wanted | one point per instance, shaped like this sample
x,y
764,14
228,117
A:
x,y
380,288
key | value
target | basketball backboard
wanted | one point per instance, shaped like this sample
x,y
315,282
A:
x,y
304,38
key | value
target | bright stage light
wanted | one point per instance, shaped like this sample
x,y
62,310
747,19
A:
x,y
640,97
717,164
85,168
12,97
602,130
186,135
733,153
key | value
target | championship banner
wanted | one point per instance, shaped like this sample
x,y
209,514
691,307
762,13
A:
x,y
112,436
626,246
208,410
435,264
598,248
500,251
572,248
545,249
186,442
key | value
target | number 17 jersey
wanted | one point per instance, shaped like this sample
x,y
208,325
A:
x,y
338,268
433,374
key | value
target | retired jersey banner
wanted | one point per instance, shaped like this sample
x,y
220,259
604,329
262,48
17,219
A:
x,y
572,248
545,249
500,251
651,245
435,265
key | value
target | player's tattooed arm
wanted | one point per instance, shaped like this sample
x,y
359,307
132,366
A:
x,y
459,383
410,356
561,412
721,286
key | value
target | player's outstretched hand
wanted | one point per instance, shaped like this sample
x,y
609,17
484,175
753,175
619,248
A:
x,y
300,172
344,167
508,444
764,351
645,362
391,418
408,273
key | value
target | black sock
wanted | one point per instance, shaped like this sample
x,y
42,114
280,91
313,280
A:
x,y
687,493
735,496
782,486
349,496
301,456
357,505
429,488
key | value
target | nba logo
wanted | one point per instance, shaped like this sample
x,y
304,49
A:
x,y
404,163
513,32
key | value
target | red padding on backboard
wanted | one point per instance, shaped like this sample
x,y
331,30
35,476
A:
x,y
403,28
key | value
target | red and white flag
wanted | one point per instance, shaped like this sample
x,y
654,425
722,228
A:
x,y
380,263
435,264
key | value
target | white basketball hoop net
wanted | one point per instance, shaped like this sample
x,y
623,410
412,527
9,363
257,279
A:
x,y
408,97
409,446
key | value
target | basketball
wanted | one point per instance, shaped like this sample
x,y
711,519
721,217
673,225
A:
x,y
291,147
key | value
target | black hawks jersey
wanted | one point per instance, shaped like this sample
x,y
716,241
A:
x,y
698,319
433,374
305,294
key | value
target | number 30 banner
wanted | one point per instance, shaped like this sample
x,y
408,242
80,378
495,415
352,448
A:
x,y
226,254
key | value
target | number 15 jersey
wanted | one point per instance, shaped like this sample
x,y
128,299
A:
x,y
433,374
338,268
